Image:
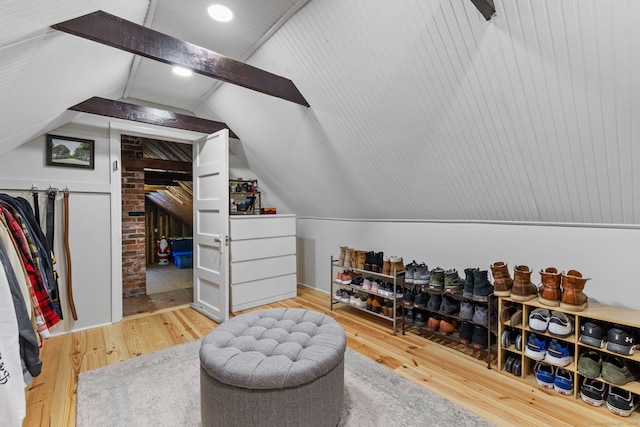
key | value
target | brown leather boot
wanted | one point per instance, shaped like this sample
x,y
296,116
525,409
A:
x,y
549,293
397,265
348,258
573,298
386,265
362,256
502,281
523,289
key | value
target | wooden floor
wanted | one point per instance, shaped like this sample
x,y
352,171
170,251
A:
x,y
501,399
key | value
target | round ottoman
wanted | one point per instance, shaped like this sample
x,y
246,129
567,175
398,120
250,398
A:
x,y
275,367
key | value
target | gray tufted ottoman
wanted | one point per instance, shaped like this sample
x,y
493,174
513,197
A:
x,y
275,367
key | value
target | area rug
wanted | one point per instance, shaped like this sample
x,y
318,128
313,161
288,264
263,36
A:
x,y
163,389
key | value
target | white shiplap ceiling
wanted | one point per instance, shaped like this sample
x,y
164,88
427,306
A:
x,y
420,109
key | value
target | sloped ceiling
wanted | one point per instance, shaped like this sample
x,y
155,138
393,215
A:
x,y
420,109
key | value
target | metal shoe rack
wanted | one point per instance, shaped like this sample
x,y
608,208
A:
x,y
455,336
397,280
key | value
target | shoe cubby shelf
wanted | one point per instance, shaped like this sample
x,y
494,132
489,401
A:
x,y
601,314
396,301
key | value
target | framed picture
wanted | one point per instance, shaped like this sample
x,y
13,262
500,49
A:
x,y
70,152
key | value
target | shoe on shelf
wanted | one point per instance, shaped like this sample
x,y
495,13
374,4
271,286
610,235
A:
x,y
421,275
622,402
375,286
466,332
449,306
467,290
467,309
420,300
590,364
367,282
539,319
397,265
436,279
558,353
593,334
370,302
433,324
502,279
523,289
549,292
560,325
376,305
357,282
409,316
536,347
619,371
448,326
421,318
408,272
481,315
621,341
409,296
453,283
480,338
434,302
353,300
386,265
545,374
564,382
593,392
482,287
361,302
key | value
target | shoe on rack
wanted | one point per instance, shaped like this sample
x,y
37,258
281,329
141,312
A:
x,y
448,326
621,341
481,315
449,306
421,275
397,265
560,325
502,279
347,257
482,287
409,272
362,302
592,334
368,260
378,262
564,382
370,302
436,279
467,290
409,316
523,289
453,283
376,305
539,319
375,286
558,353
622,402
409,296
590,364
545,374
420,300
549,293
573,298
433,324
467,309
353,300
366,284
480,338
619,371
421,318
357,282
536,347
593,392
466,332
435,300
386,265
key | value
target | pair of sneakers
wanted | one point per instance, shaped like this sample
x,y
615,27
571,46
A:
x,y
555,377
477,313
619,401
555,322
552,351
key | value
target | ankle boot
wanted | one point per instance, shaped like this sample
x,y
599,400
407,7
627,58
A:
x,y
368,260
482,287
347,257
573,298
386,265
397,265
549,293
467,292
502,281
436,279
523,289
378,258
453,284
362,257
342,256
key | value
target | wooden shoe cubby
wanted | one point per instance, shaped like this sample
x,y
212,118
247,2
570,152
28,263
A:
x,y
397,279
602,314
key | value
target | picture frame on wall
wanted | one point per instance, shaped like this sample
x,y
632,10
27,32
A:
x,y
70,152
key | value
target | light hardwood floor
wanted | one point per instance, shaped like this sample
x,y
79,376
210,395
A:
x,y
501,399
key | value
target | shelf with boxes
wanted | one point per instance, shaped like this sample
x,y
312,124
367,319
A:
x,y
244,197
442,303
583,351
378,293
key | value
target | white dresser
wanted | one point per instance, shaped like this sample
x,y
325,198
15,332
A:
x,y
263,260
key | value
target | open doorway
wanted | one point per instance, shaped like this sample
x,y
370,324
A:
x,y
157,211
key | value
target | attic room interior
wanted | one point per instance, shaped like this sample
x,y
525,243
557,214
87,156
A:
x,y
433,202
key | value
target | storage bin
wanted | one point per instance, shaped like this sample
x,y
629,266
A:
x,y
183,259
181,244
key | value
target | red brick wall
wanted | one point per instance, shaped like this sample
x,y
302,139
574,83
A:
x,y
133,227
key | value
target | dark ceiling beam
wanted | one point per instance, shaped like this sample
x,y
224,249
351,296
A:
x,y
158,164
486,8
153,116
116,32
165,178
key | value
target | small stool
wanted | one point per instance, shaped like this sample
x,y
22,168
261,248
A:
x,y
274,367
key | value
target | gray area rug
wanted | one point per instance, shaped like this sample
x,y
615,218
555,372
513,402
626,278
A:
x,y
163,389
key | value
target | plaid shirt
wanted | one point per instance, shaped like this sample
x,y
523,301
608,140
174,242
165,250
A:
x,y
44,310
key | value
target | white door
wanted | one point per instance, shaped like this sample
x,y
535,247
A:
x,y
211,226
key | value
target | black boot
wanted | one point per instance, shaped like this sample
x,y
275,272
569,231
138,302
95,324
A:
x,y
468,282
482,287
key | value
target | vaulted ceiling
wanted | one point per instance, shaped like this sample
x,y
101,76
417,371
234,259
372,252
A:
x,y
420,109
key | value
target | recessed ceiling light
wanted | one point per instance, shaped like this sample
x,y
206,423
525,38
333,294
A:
x,y
220,13
181,71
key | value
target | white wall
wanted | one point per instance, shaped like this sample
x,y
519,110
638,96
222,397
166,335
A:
x,y
89,220
606,255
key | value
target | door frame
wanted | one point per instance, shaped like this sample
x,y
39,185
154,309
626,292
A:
x,y
116,130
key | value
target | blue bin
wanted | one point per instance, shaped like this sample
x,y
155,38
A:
x,y
183,259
